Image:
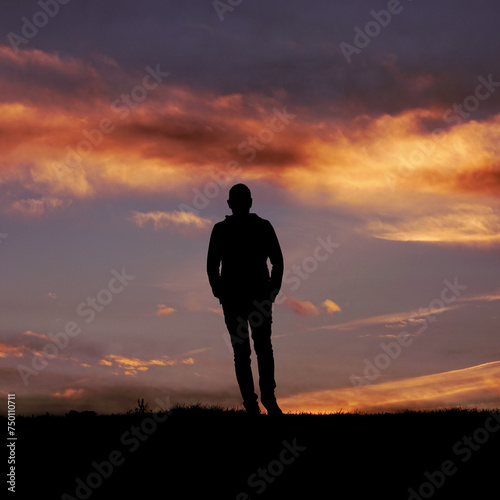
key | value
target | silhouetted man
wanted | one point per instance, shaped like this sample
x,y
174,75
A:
x,y
239,276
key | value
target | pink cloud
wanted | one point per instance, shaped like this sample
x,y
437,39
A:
x,y
300,308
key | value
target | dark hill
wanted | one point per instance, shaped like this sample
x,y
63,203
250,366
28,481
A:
x,y
197,453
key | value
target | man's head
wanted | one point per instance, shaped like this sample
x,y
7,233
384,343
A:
x,y
240,199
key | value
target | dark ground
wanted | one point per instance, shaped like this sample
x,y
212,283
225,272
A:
x,y
198,453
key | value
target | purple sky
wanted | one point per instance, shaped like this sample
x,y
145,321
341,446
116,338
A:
x,y
375,157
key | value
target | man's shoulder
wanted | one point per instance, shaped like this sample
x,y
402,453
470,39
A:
x,y
219,224
252,217
253,220
259,220
259,224
264,222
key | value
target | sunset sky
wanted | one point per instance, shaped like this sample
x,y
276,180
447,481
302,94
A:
x,y
375,156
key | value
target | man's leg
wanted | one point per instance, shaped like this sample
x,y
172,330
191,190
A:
x,y
260,321
236,318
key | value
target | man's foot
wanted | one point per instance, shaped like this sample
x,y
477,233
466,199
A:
x,y
252,408
273,410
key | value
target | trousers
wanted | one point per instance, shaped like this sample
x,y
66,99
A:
x,y
241,318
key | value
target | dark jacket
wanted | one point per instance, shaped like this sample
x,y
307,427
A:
x,y
237,259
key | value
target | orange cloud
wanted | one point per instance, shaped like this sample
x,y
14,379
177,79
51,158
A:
x,y
163,310
173,141
7,350
461,223
39,335
405,182
68,393
330,306
123,361
36,58
131,366
300,308
476,386
484,180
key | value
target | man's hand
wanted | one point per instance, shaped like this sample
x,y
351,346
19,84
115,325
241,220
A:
x,y
273,294
216,290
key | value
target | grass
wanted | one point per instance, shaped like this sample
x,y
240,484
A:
x,y
201,451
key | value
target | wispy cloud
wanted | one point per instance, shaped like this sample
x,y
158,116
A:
x,y
461,224
170,220
32,207
461,387
404,319
34,334
398,319
482,297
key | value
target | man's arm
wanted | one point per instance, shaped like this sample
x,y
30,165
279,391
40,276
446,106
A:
x,y
214,258
276,258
